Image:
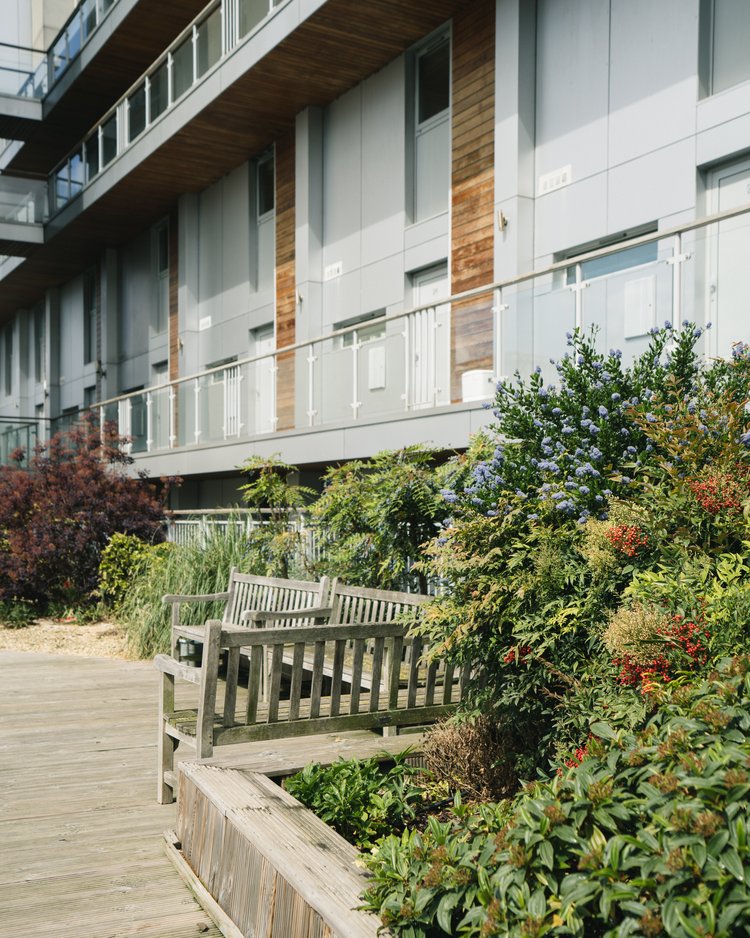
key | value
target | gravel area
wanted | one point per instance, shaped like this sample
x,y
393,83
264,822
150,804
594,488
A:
x,y
52,636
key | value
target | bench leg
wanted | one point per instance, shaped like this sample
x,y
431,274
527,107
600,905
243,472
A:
x,y
167,744
204,741
233,674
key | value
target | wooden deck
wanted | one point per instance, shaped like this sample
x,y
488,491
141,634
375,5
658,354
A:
x,y
81,845
81,851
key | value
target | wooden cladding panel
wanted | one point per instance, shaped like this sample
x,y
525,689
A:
x,y
286,284
472,187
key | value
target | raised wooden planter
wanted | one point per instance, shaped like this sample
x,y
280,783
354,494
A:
x,y
262,863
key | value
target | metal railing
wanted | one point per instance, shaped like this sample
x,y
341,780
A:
x,y
212,35
404,363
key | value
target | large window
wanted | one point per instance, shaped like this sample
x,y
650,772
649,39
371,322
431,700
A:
x,y
89,316
431,129
161,263
265,227
8,359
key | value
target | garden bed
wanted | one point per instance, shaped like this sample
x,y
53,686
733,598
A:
x,y
270,865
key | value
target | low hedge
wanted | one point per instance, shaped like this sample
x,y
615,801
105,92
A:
x,y
647,836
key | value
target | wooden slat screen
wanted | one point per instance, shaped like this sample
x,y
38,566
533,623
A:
x,y
472,187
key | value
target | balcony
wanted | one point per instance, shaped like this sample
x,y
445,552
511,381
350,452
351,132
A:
x,y
208,111
23,208
102,47
22,84
387,382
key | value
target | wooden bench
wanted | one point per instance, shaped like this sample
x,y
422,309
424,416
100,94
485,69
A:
x,y
319,655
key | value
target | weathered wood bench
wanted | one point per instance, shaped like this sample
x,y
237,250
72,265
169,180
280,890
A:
x,y
316,699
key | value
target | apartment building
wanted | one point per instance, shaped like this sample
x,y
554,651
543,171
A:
x,y
321,228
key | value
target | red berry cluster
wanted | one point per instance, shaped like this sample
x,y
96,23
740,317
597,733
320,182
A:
x,y
629,539
634,674
688,636
717,492
578,756
523,653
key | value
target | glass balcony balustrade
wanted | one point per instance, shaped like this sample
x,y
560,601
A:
x,y
22,201
31,73
213,35
399,365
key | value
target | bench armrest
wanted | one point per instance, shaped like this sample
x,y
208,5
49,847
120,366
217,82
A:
x,y
257,616
201,598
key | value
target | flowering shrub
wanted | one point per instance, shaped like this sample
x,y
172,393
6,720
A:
x,y
569,447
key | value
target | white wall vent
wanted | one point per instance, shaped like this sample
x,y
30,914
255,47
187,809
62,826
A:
x,y
332,271
557,179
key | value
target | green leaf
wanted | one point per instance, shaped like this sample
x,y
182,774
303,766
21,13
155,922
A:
x,y
731,860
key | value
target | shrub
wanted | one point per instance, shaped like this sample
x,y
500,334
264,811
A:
x,y
473,755
121,560
57,515
360,799
647,836
567,448
276,544
373,517
16,613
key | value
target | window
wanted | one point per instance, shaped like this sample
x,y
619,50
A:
x,y
89,397
365,333
8,359
433,82
728,33
161,263
39,344
263,236
266,187
431,127
89,316
619,260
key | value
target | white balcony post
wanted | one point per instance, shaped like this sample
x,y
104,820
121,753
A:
x,y
407,361
197,422
311,412
172,417
433,354
170,80
100,150
147,92
356,403
498,308
149,422
195,54
677,259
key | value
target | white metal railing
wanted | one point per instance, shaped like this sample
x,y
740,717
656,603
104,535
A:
x,y
212,35
404,362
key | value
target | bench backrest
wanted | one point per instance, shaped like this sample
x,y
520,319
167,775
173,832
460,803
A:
x,y
325,693
357,604
271,594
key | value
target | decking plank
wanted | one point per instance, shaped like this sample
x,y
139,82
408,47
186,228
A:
x,y
80,834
